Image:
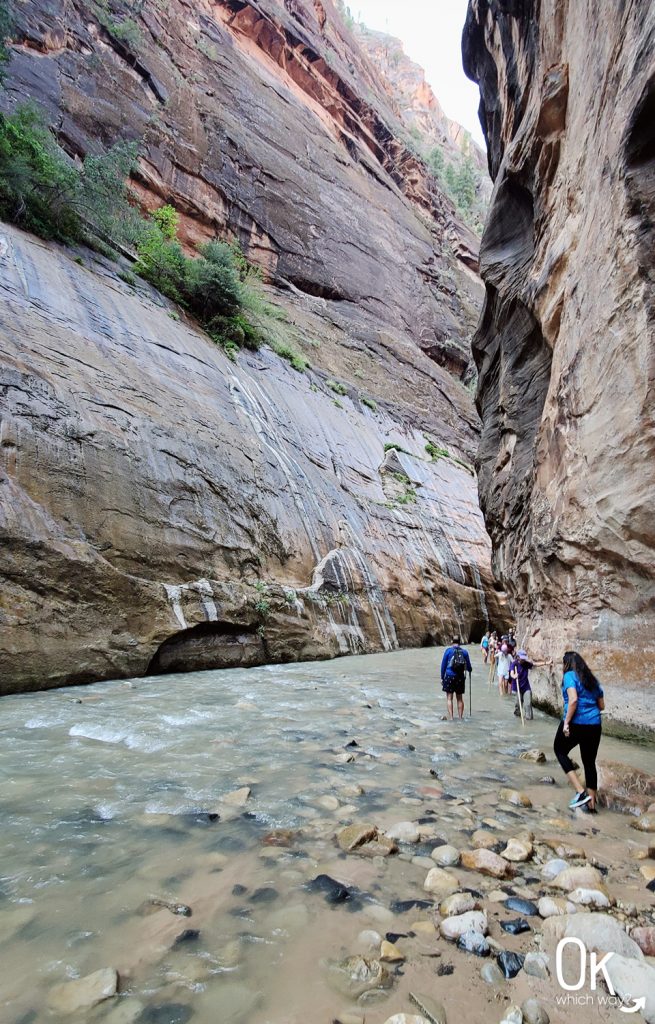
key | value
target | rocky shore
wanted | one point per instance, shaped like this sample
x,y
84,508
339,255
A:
x,y
394,869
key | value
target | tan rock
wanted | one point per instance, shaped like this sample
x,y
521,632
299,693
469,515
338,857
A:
x,y
645,939
517,850
459,903
327,803
645,823
486,862
84,993
422,927
484,840
514,796
382,846
550,907
473,921
353,836
648,871
238,798
585,877
445,856
590,898
390,952
536,756
440,882
598,931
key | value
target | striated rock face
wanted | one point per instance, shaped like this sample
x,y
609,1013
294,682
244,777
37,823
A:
x,y
565,344
162,508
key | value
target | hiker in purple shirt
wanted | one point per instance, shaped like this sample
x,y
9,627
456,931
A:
x,y
519,675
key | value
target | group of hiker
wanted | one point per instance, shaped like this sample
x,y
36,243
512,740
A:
x,y
582,694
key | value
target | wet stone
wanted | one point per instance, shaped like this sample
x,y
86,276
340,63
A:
x,y
513,1015
264,895
473,942
357,974
521,906
331,890
187,936
510,963
402,906
239,890
534,1012
516,926
166,1013
84,993
536,965
491,974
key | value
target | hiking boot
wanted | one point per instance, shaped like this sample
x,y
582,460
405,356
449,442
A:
x,y
579,800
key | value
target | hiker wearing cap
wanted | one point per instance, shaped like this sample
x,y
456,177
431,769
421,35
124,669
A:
x,y
520,680
580,727
454,666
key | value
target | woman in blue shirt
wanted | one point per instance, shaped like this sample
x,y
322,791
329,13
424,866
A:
x,y
580,726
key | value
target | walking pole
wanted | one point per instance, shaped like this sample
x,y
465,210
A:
x,y
470,696
518,691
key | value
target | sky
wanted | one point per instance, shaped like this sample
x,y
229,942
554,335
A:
x,y
431,32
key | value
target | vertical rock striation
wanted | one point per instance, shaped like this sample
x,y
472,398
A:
x,y
565,348
162,507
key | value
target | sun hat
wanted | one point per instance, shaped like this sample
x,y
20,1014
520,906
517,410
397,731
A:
x,y
522,654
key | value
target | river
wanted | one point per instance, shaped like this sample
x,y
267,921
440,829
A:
x,y
114,794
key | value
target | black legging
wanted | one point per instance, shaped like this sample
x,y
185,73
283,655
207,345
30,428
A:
x,y
588,738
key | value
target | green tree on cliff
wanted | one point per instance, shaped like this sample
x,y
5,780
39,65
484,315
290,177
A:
x,y
5,31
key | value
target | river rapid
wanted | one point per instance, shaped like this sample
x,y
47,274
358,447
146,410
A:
x,y
122,793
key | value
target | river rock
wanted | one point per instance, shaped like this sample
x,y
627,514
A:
x,y
458,903
83,993
126,1011
381,846
237,798
598,931
491,974
344,758
332,890
358,974
473,942
563,848
646,822
328,802
368,942
516,926
536,756
473,920
632,980
514,796
350,1018
403,832
353,836
406,1018
484,840
422,862
585,877
590,898
648,871
645,939
550,907
510,963
536,965
390,952
554,867
440,882
522,906
513,1015
431,1008
534,1012
517,850
486,862
446,856
547,780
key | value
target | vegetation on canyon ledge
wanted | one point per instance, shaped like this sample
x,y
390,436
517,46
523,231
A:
x,y
46,192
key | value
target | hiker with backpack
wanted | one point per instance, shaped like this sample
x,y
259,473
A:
x,y
454,666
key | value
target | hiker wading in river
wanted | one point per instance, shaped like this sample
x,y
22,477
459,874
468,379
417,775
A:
x,y
580,726
454,666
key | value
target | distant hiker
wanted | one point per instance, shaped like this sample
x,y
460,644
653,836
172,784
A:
x,y
580,727
503,662
484,644
454,666
520,680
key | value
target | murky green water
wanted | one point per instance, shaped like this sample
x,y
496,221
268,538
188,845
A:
x,y
111,801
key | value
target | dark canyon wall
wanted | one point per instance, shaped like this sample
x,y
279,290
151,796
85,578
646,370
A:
x,y
565,347
162,507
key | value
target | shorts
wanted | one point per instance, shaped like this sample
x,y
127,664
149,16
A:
x,y
452,685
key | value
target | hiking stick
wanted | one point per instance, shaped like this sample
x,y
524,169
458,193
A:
x,y
518,690
470,695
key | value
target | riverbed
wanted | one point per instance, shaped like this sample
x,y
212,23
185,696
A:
x,y
128,804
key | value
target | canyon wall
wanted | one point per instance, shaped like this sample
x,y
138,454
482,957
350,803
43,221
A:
x,y
565,347
165,508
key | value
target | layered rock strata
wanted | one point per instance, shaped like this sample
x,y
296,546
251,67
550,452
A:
x,y
565,347
163,508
